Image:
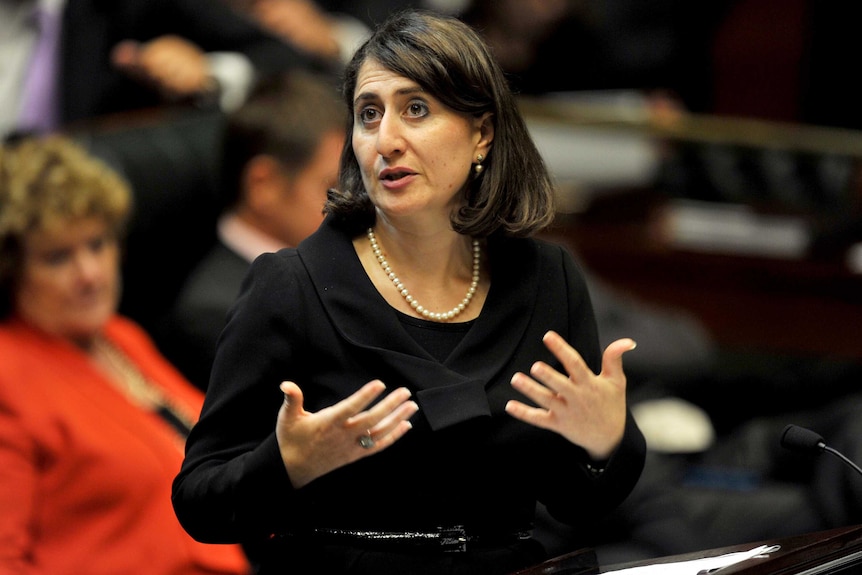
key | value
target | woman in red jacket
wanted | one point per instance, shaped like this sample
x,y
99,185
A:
x,y
92,418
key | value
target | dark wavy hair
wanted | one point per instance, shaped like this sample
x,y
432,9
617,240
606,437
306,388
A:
x,y
514,194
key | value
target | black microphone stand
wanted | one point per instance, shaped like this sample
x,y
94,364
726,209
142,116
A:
x,y
801,439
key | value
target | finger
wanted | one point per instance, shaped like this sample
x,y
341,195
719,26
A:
x,y
572,361
125,54
390,403
359,400
382,431
402,412
540,395
385,440
532,415
293,398
375,414
369,442
387,421
612,359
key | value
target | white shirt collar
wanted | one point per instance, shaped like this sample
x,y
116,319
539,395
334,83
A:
x,y
247,241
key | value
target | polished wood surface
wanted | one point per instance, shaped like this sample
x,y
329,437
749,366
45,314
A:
x,y
824,552
834,551
819,552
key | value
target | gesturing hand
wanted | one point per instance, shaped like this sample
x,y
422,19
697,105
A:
x,y
300,22
587,409
313,444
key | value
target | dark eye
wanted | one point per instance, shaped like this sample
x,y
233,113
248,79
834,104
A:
x,y
368,115
56,257
417,108
98,244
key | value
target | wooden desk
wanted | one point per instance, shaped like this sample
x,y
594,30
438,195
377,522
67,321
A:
x,y
825,552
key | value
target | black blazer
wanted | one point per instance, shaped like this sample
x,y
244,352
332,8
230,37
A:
x,y
189,333
311,315
90,86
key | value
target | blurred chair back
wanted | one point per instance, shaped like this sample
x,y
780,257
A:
x,y
171,161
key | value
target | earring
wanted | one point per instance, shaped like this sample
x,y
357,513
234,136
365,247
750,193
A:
x,y
479,167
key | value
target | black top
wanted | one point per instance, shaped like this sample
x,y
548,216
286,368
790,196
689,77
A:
x,y
311,315
438,339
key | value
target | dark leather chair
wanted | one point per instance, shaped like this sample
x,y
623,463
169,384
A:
x,y
170,158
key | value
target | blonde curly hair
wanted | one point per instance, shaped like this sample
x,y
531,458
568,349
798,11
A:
x,y
45,183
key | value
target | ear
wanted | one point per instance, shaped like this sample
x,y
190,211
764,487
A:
x,y
485,126
262,182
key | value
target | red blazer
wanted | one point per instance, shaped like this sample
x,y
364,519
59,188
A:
x,y
85,475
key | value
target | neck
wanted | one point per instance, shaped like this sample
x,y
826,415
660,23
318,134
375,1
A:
x,y
436,293
432,254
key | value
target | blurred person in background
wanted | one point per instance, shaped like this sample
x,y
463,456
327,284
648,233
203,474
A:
x,y
92,418
71,60
279,155
321,30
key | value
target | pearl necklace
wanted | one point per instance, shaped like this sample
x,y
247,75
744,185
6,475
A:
x,y
438,317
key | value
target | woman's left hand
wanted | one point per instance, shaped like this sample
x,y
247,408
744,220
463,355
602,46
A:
x,y
587,409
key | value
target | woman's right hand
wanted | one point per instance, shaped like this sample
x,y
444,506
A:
x,y
313,444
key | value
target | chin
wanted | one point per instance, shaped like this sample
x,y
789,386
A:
x,y
91,324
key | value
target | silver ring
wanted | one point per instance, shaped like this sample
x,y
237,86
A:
x,y
366,441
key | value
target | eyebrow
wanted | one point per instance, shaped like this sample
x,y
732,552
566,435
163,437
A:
x,y
365,96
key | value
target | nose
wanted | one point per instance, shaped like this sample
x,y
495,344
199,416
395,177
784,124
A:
x,y
390,137
89,265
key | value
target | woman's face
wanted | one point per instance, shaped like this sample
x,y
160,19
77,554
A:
x,y
69,283
415,153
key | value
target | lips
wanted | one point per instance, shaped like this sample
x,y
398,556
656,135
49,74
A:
x,y
394,174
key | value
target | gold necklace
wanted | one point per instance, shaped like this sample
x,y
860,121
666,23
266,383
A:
x,y
129,379
421,310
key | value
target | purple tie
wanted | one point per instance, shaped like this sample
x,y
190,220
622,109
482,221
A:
x,y
39,109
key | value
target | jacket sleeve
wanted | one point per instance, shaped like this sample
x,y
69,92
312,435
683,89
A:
x,y
233,484
609,482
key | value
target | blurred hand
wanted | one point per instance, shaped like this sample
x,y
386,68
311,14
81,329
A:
x,y
313,444
299,22
587,409
172,65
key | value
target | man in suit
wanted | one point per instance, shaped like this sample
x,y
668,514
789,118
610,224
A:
x,y
119,55
279,155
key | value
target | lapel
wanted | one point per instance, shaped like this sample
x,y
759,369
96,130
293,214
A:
x,y
451,391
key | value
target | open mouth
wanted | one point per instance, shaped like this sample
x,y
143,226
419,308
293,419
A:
x,y
394,175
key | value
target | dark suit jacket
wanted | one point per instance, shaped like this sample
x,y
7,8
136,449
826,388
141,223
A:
x,y
311,315
189,335
90,86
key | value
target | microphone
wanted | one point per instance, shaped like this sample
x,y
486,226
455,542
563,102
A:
x,y
804,440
